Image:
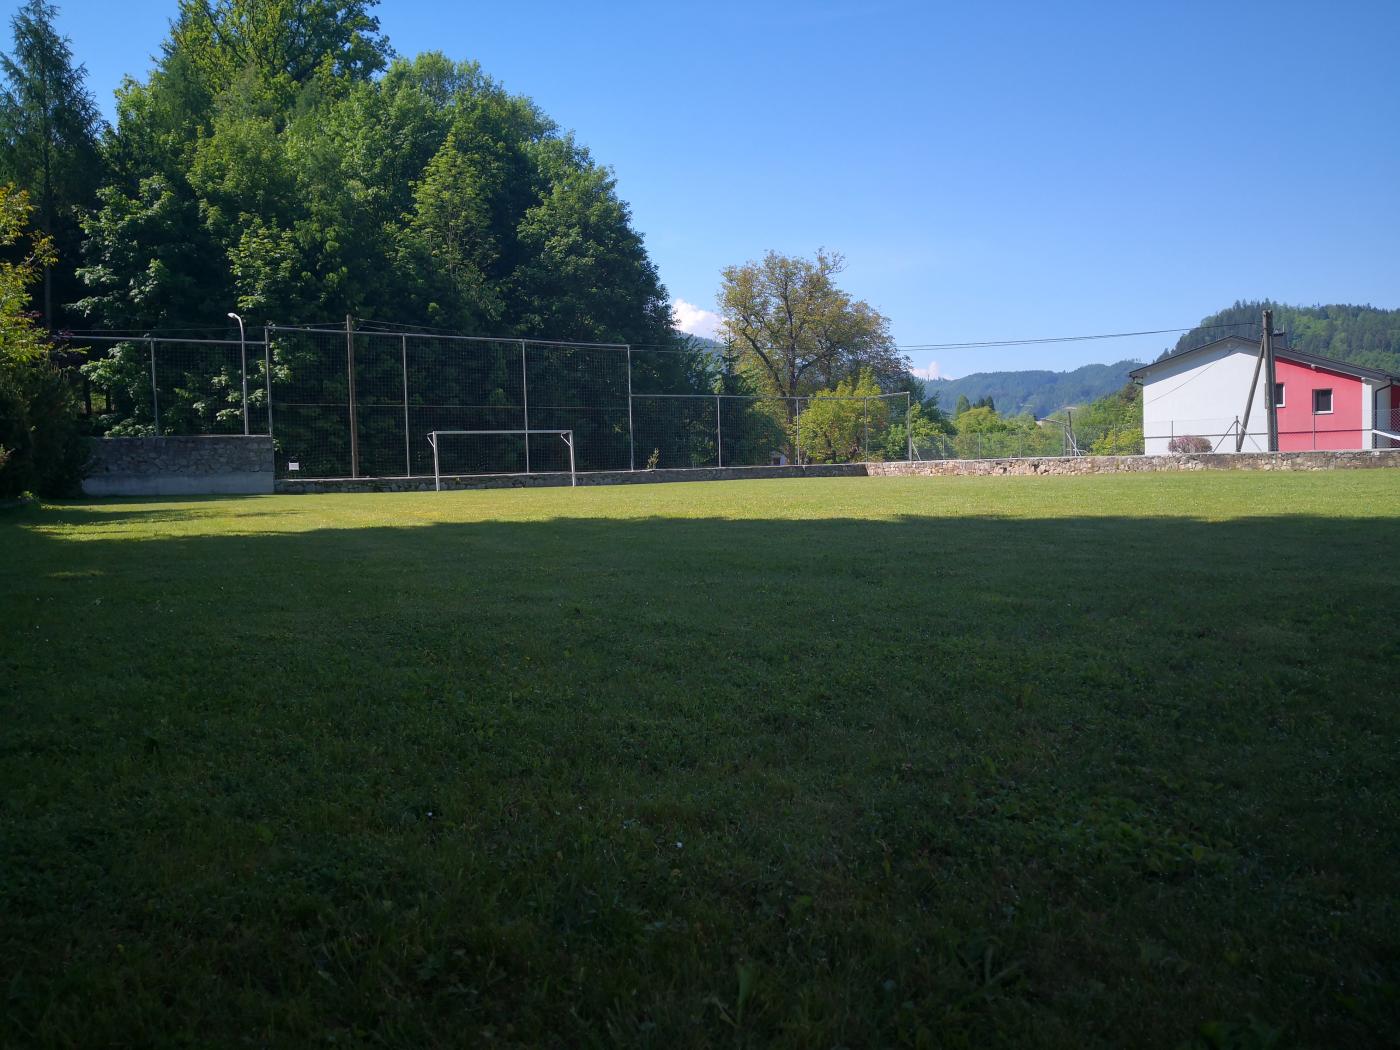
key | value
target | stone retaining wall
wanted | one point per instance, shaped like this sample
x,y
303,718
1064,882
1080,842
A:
x,y
180,466
934,468
1346,460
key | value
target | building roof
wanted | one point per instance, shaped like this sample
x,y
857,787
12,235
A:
x,y
1331,364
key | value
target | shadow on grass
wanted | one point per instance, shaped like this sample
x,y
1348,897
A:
x,y
1078,781
66,514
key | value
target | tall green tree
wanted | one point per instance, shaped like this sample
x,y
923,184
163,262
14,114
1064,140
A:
x,y
797,330
49,127
309,175
41,449
585,272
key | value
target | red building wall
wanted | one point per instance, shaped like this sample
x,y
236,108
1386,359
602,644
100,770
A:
x,y
1298,428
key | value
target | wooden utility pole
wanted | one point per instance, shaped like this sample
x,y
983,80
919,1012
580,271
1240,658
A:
x,y
1270,390
350,376
1265,352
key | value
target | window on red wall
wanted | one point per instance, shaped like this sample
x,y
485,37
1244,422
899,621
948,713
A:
x,y
1278,395
1322,402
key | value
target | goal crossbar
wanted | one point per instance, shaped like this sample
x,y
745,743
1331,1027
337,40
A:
x,y
567,436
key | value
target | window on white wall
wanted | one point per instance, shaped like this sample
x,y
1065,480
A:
x,y
1322,402
1278,395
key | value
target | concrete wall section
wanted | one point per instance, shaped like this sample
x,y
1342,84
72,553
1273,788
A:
x,y
180,466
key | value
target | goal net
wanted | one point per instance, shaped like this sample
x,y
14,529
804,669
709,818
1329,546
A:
x,y
465,453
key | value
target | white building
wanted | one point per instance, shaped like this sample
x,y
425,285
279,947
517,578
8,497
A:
x,y
1321,403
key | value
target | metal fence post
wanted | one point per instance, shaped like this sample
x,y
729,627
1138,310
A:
x,y
350,375
155,392
267,373
909,427
797,433
719,433
407,452
525,402
631,439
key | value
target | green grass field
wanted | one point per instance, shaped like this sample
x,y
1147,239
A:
x,y
1099,761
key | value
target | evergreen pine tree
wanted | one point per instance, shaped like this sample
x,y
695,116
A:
x,y
49,125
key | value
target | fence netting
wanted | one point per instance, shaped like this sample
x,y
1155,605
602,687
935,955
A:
x,y
133,387
362,404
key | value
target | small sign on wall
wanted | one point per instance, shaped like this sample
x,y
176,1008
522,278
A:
x,y
293,465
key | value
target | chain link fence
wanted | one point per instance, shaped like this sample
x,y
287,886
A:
x,y
1047,438
362,403
129,387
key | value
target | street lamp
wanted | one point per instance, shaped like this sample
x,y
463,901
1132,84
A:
x,y
243,353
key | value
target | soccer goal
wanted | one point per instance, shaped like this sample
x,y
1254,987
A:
x,y
566,436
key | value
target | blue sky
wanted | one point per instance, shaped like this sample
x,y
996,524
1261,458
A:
x,y
989,170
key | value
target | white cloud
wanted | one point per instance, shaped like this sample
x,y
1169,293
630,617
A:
x,y
695,320
930,371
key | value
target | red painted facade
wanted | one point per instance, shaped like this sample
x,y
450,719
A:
x,y
1300,428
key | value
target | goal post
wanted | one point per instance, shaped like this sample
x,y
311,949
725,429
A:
x,y
567,436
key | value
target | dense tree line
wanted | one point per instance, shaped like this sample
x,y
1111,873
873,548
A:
x,y
278,160
281,161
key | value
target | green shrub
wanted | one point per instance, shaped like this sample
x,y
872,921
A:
x,y
44,449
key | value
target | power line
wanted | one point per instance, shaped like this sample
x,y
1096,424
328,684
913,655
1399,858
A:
x,y
1042,340
667,348
988,343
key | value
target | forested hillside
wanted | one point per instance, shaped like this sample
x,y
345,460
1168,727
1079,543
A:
x,y
1037,391
1363,335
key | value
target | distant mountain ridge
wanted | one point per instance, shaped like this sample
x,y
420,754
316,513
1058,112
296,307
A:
x,y
701,342
1362,335
1037,391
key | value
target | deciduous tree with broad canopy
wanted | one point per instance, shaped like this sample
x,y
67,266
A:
x,y
796,331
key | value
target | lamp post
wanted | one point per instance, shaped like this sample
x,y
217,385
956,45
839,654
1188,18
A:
x,y
243,354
